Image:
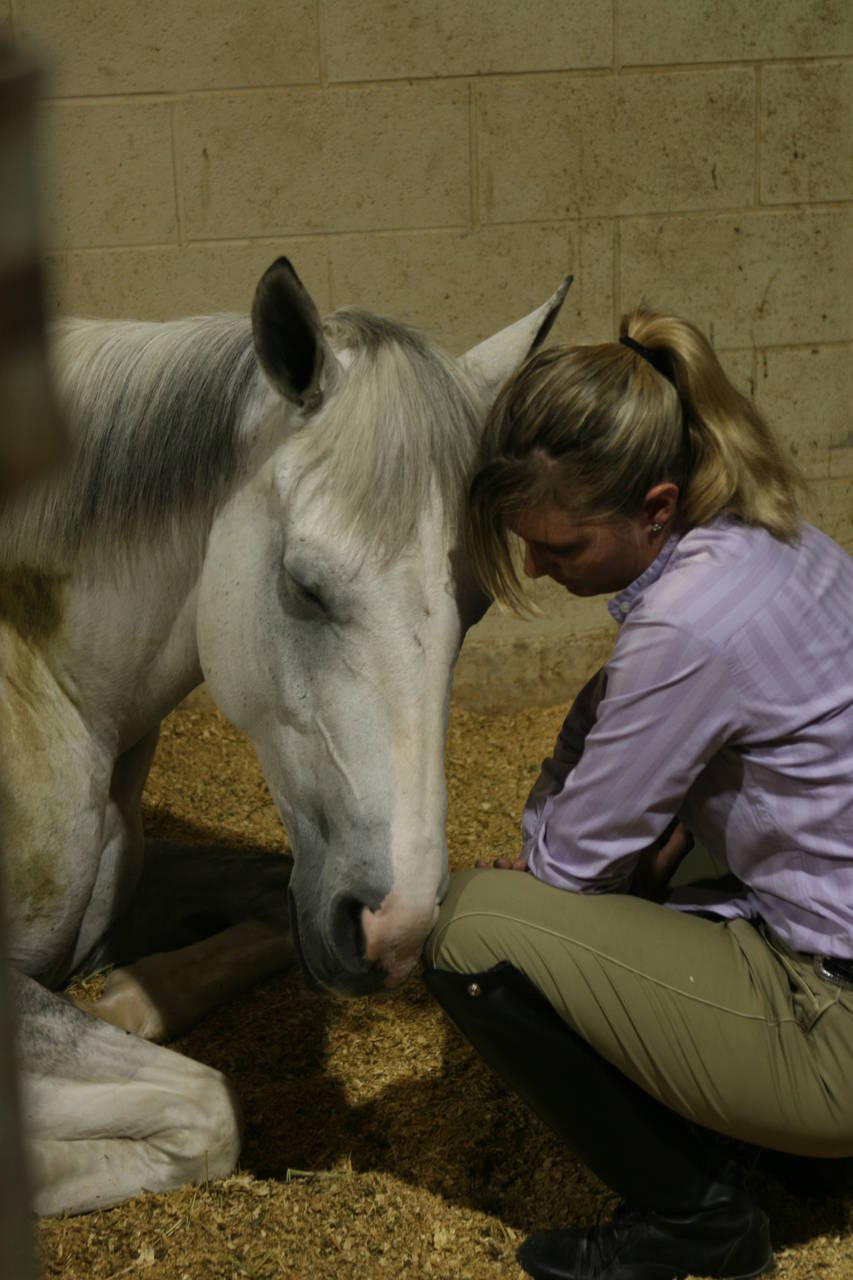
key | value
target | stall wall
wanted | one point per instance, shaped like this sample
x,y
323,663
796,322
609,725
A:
x,y
448,163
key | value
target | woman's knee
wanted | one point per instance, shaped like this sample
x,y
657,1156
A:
x,y
481,920
442,949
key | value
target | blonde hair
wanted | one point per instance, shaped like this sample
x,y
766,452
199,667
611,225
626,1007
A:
x,y
592,429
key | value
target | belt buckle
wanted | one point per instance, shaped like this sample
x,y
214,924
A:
x,y
838,972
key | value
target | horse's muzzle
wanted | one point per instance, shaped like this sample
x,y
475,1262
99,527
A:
x,y
395,933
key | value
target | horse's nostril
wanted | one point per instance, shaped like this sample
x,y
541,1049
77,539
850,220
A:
x,y
348,933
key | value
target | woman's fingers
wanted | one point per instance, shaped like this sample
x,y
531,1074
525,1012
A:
x,y
658,863
502,864
673,850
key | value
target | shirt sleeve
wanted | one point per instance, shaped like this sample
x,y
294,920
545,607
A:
x,y
668,705
568,749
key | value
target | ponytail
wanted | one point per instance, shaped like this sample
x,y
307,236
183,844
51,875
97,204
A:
x,y
735,463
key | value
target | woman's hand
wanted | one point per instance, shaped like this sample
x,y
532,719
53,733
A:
x,y
659,863
503,864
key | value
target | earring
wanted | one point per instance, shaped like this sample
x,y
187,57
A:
x,y
656,528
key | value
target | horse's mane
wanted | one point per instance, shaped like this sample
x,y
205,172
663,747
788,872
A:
x,y
152,411
155,413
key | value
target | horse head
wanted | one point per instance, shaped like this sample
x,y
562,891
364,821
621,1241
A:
x,y
334,598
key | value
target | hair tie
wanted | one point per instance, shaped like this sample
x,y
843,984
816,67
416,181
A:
x,y
657,359
645,352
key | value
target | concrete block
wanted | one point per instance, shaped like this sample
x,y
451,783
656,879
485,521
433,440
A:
x,y
161,46
462,286
806,116
108,174
591,306
805,394
164,284
616,144
387,39
752,279
830,507
561,614
841,458
738,368
841,432
538,670
389,156
666,31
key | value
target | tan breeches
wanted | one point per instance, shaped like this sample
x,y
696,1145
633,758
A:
x,y
718,1020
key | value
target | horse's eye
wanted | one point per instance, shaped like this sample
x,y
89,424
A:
x,y
304,594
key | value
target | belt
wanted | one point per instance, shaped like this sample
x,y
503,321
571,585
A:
x,y
832,969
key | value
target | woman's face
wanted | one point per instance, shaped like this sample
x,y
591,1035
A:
x,y
587,557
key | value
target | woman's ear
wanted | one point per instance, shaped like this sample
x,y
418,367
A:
x,y
660,505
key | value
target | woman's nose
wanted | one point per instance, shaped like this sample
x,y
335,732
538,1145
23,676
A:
x,y
532,566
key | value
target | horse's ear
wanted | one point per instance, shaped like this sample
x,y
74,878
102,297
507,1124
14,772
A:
x,y
492,362
289,340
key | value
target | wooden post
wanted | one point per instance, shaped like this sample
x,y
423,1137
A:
x,y
30,438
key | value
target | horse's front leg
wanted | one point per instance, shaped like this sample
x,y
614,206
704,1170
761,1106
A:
x,y
107,1115
205,924
162,995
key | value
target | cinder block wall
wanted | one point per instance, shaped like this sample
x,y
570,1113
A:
x,y
447,163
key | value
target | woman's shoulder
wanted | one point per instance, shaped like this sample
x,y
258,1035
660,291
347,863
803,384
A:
x,y
724,549
729,544
728,537
723,575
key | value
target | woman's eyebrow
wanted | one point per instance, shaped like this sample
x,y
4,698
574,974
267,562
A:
x,y
558,547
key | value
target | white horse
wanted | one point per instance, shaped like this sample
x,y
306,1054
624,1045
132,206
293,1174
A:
x,y
292,533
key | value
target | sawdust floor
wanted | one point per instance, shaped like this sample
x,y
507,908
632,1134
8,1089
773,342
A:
x,y
376,1143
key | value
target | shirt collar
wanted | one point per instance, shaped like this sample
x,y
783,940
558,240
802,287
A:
x,y
622,604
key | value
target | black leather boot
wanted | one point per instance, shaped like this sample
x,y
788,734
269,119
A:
x,y
683,1214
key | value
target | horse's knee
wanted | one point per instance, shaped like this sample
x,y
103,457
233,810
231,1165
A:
x,y
224,1126
108,1114
202,1130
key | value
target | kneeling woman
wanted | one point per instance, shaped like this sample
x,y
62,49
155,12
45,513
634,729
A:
x,y
632,1018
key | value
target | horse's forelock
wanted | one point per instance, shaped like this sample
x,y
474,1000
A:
x,y
403,429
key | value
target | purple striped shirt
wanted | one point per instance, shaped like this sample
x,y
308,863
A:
x,y
728,700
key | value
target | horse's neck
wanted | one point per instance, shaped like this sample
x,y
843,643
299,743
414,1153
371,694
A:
x,y
130,651
132,626
126,649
